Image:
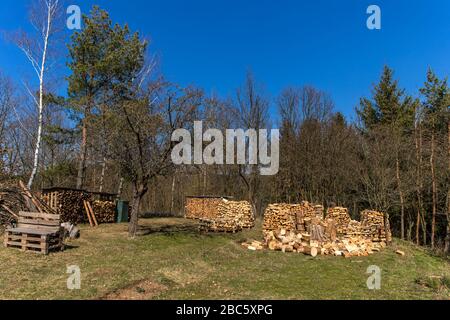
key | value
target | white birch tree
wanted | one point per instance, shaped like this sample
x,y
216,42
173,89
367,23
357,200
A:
x,y
36,47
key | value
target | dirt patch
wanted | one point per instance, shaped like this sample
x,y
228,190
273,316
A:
x,y
143,290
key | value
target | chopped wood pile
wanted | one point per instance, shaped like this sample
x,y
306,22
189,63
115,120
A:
x,y
341,219
239,211
69,204
233,216
202,208
105,211
374,226
289,241
288,229
290,216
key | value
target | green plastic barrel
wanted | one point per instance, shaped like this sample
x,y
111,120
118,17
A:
x,y
122,211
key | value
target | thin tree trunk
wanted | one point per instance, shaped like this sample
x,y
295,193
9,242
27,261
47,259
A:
x,y
433,178
37,150
419,159
402,201
120,188
82,163
102,175
172,199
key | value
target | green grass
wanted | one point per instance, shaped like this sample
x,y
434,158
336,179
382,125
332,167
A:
x,y
179,263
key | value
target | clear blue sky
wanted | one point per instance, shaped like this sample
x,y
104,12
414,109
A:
x,y
291,42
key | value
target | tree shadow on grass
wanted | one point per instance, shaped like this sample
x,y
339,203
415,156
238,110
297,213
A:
x,y
188,228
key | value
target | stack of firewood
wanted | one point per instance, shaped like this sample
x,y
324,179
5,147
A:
x,y
281,216
374,226
240,211
71,206
233,216
202,208
341,219
354,229
105,211
291,216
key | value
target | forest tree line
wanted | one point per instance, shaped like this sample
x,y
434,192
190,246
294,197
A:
x,y
111,132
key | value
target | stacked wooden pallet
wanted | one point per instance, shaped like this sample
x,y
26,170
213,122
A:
x,y
105,211
341,219
37,232
374,226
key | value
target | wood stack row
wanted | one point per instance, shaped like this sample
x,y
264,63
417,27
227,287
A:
x,y
291,217
105,211
341,219
202,208
233,216
281,216
69,204
374,226
239,211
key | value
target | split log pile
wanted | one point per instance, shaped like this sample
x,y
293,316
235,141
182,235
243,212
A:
x,y
280,216
105,211
239,211
202,208
291,217
341,219
304,242
374,226
337,234
233,216
69,204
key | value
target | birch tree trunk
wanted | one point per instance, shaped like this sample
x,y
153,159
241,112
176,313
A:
x,y
102,175
434,187
51,6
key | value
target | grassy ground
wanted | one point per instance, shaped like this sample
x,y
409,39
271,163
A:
x,y
173,261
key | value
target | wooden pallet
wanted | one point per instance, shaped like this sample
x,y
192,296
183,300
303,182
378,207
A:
x,y
36,232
